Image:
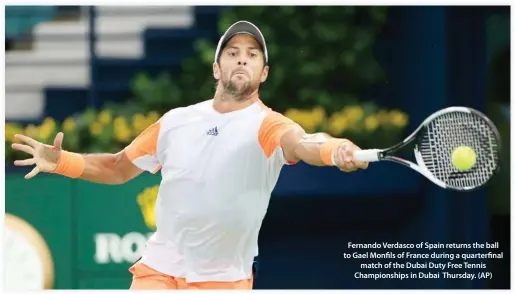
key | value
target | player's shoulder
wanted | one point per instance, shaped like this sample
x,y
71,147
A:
x,y
270,116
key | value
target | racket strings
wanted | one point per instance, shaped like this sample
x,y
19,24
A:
x,y
452,130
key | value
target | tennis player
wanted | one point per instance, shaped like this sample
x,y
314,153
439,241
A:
x,y
219,159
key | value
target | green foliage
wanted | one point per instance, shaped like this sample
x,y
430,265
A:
x,y
155,93
319,56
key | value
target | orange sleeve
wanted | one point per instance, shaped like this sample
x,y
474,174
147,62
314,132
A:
x,y
142,149
273,127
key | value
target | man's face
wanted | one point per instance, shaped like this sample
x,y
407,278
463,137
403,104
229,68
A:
x,y
241,66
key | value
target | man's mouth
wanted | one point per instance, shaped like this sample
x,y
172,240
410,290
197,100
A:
x,y
240,72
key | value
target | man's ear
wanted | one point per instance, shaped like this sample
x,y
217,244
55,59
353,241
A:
x,y
264,74
216,71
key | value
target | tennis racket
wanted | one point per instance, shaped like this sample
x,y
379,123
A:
x,y
434,141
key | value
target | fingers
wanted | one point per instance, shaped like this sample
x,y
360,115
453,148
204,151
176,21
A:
x,y
348,167
346,159
343,152
27,140
360,164
357,163
24,148
25,162
348,154
347,150
32,173
58,141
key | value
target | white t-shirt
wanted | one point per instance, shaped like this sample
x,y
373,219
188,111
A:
x,y
218,172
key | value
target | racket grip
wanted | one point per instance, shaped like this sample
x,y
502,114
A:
x,y
368,155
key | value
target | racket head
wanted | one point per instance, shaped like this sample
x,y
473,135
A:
x,y
449,128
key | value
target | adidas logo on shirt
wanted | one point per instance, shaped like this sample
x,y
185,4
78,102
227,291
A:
x,y
213,132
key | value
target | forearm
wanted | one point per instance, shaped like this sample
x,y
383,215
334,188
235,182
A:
x,y
313,149
109,169
316,149
322,150
102,169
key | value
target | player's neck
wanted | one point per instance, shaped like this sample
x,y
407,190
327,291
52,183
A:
x,y
224,102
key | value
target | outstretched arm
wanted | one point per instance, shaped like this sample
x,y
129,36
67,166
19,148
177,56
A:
x,y
319,149
98,168
109,168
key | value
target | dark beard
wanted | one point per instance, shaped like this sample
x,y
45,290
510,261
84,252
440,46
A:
x,y
231,89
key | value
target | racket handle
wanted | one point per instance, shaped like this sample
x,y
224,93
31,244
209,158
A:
x,y
368,155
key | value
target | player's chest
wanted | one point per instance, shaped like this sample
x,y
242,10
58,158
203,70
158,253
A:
x,y
210,140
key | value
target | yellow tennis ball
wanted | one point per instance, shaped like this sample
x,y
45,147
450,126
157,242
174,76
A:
x,y
463,158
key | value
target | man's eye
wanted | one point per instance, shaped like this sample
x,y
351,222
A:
x,y
232,53
253,54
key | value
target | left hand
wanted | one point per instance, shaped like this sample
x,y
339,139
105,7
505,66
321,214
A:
x,y
344,158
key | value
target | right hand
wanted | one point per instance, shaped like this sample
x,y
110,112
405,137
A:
x,y
344,158
44,156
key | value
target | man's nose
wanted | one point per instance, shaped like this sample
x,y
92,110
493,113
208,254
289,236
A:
x,y
242,61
